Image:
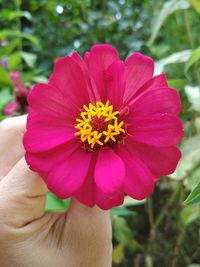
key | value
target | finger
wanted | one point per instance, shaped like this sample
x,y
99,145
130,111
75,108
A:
x,y
83,216
89,231
11,148
22,196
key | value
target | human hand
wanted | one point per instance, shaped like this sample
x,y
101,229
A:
x,y
80,237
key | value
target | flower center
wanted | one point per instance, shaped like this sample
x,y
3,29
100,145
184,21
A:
x,y
98,125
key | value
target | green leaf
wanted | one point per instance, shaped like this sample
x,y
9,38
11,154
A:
x,y
4,77
197,124
190,214
29,58
177,83
194,196
2,117
14,61
121,211
195,4
55,204
169,7
178,57
5,97
11,15
128,201
33,39
193,95
194,57
123,233
4,34
11,47
39,79
118,254
189,165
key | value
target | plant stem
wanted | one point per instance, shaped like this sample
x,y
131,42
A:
x,y
19,27
188,29
148,257
168,204
150,211
181,233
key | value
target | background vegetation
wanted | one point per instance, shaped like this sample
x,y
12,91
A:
x,y
163,230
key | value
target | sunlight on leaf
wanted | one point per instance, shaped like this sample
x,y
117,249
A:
x,y
194,196
178,57
190,214
29,58
189,165
195,4
194,57
193,95
118,254
128,201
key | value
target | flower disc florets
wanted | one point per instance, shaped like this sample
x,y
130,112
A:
x,y
99,125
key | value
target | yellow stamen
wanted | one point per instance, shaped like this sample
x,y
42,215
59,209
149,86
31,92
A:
x,y
98,124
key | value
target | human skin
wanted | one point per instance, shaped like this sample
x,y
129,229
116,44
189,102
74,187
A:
x,y
80,237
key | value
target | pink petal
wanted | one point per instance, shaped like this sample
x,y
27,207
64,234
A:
x,y
39,140
115,83
49,101
86,193
69,78
86,58
75,55
160,160
109,172
159,129
99,59
93,92
154,83
163,100
37,120
44,162
89,194
139,69
67,177
139,181
106,202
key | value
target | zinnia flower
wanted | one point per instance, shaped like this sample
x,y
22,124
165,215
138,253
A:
x,y
19,105
101,128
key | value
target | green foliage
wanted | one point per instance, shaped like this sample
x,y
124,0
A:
x,y
194,196
163,231
194,57
196,5
55,204
168,8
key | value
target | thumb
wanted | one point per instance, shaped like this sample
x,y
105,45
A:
x,y
88,234
22,196
87,222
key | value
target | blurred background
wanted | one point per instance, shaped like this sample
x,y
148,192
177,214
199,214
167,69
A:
x,y
162,231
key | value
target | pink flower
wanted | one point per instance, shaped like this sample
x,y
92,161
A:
x,y
11,107
102,127
19,105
